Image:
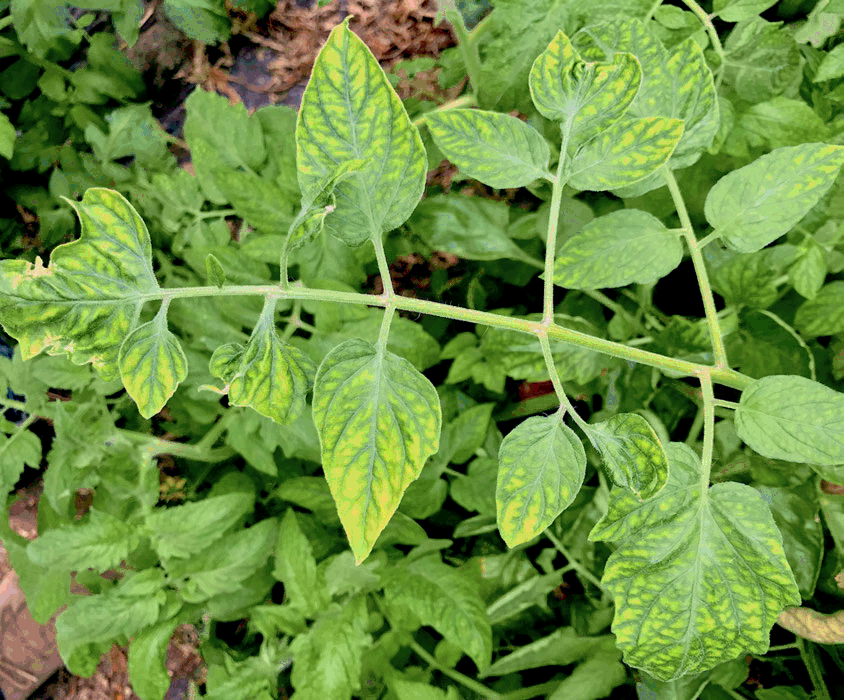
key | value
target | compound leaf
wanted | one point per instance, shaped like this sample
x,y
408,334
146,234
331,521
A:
x,y
269,375
700,574
585,98
184,530
499,150
632,453
152,364
626,152
754,205
446,599
617,249
88,299
350,112
541,467
100,543
378,420
794,419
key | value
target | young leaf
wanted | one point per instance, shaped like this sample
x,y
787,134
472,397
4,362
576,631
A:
x,y
87,301
754,205
269,375
447,600
152,364
364,120
617,249
585,98
378,420
16,451
794,419
499,150
700,574
184,530
100,543
147,658
632,453
214,271
296,568
823,315
626,152
541,466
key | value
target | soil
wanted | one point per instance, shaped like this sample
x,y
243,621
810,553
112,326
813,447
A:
x,y
266,61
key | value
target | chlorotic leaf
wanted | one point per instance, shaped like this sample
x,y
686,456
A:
x,y
88,299
585,98
699,575
754,205
152,364
626,152
541,467
448,600
350,112
100,543
617,249
269,376
794,419
378,420
632,453
499,150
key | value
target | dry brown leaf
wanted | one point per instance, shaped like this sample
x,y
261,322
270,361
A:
x,y
814,626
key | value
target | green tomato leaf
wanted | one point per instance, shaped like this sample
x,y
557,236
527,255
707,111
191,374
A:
x,y
809,272
296,568
8,134
152,364
184,530
368,122
700,574
595,678
754,205
445,598
541,467
378,420
585,98
88,299
16,451
617,249
824,314
738,10
269,376
147,658
794,419
214,271
100,543
499,150
632,453
560,648
626,152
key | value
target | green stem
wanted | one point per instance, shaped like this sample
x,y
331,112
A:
x,y
723,403
558,385
465,681
706,21
809,654
784,647
615,307
534,691
5,22
217,214
653,9
706,240
708,427
383,268
216,430
575,564
15,405
386,322
551,238
694,431
700,271
458,103
467,47
294,321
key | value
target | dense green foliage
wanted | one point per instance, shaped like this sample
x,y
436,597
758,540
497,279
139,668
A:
x,y
360,482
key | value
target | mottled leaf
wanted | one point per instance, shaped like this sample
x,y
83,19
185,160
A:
x,y
823,315
754,205
541,467
350,112
269,375
88,299
378,420
445,598
585,98
152,364
628,151
617,249
632,453
499,150
794,419
699,575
